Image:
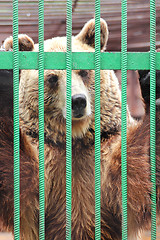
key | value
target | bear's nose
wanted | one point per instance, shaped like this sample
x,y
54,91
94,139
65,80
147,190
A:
x,y
79,102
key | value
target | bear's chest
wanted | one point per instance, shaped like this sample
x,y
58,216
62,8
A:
x,y
82,192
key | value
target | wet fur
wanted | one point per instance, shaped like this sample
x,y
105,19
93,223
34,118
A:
x,y
83,226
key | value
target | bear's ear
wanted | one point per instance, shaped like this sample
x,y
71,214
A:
x,y
87,34
25,43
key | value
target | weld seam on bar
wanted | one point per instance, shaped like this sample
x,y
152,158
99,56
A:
x,y
41,123
153,114
124,117
69,122
16,122
97,123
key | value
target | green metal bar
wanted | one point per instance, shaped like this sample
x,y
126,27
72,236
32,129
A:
x,y
69,122
97,123
41,123
153,114
124,118
80,60
16,122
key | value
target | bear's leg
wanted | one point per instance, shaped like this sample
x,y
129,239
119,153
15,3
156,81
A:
x,y
138,176
29,195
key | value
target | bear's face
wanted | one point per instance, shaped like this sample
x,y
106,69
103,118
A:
x,y
55,99
55,93
83,89
82,93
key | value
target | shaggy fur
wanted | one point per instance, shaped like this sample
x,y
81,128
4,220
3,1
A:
x,y
83,207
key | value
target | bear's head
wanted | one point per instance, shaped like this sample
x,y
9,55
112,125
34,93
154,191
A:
x,y
83,90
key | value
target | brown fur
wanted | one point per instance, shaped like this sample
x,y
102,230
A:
x,y
83,203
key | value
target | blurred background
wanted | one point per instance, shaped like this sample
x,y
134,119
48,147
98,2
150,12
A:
x,y
83,10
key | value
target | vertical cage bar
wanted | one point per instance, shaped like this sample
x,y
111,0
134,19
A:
x,y
41,123
153,113
124,117
97,123
69,122
16,122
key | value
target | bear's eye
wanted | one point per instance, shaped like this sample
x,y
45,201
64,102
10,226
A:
x,y
52,79
83,73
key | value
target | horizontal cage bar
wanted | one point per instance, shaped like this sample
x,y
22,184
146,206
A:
x,y
81,60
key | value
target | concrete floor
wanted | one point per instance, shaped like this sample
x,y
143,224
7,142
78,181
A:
x,y
6,236
147,235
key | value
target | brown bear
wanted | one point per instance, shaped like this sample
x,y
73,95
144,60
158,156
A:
x,y
83,153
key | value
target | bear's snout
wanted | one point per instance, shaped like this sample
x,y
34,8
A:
x,y
79,103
